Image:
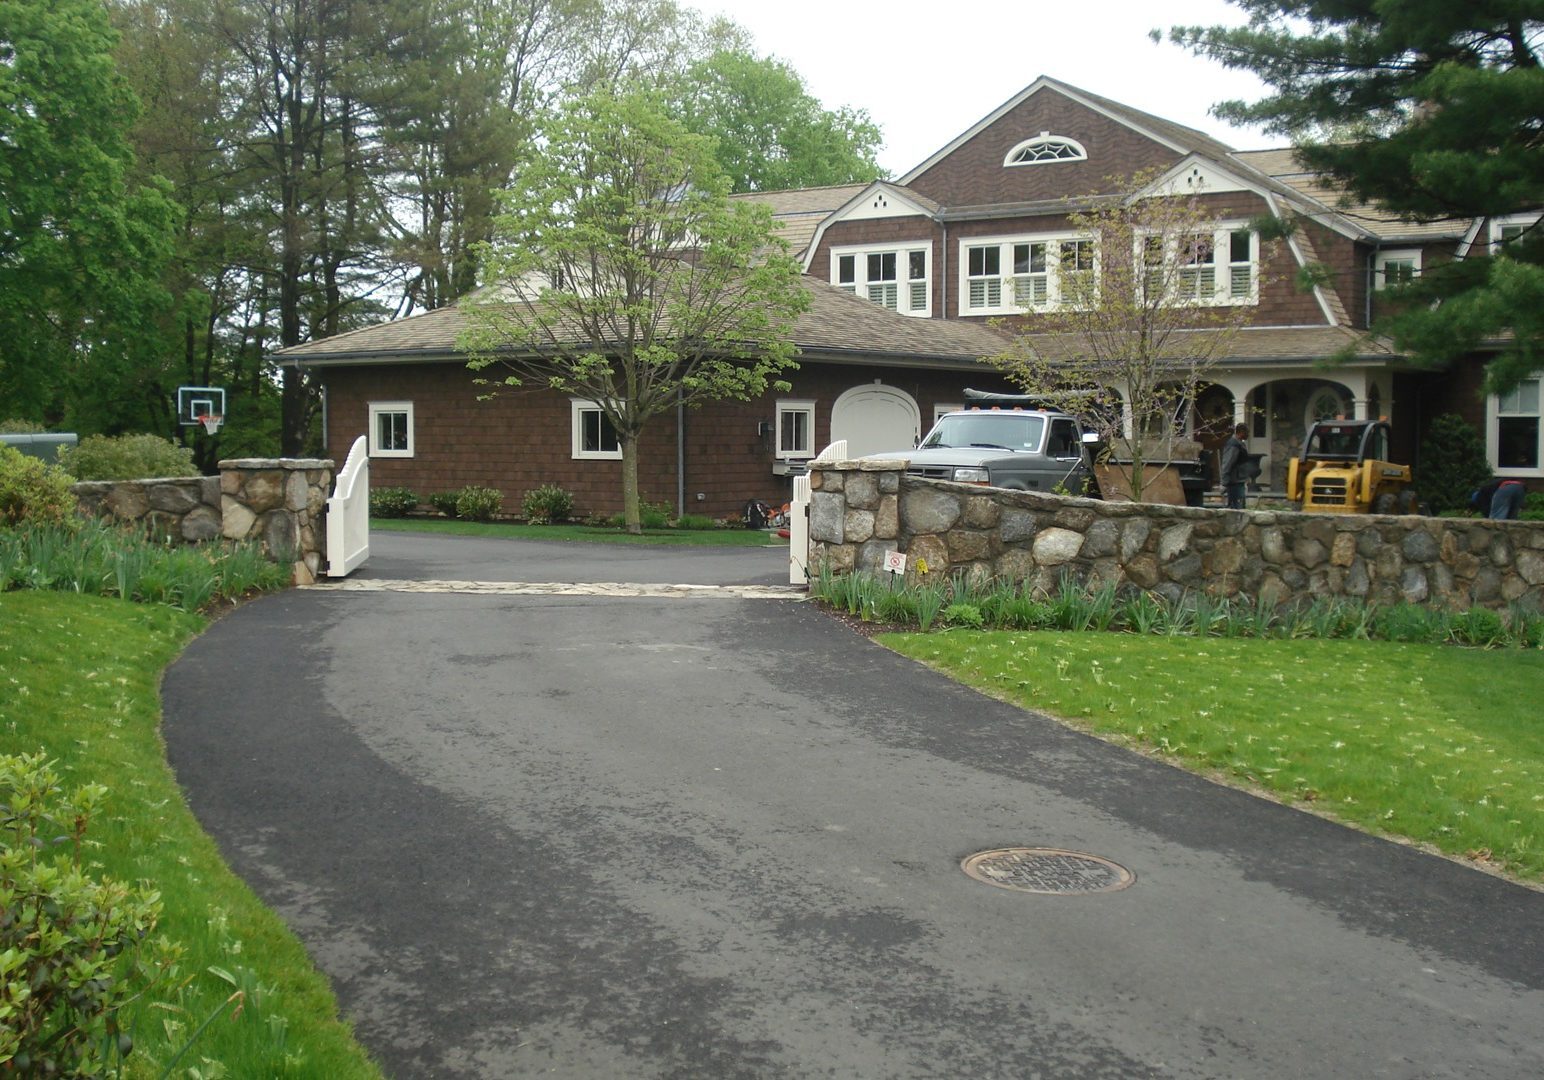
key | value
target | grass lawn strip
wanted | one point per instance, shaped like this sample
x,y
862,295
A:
x,y
1430,743
79,679
589,533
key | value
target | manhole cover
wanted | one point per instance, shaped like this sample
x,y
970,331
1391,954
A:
x,y
1047,870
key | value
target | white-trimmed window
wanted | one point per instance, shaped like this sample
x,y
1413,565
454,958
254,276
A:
x,y
1045,148
1221,266
594,437
795,430
1514,437
897,277
940,410
1044,273
391,429
1503,230
1396,267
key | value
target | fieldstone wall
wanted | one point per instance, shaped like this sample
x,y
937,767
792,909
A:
x,y
185,508
860,510
277,502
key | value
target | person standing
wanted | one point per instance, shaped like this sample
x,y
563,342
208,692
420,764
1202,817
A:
x,y
1235,455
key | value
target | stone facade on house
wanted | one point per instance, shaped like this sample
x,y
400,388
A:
x,y
279,503
860,510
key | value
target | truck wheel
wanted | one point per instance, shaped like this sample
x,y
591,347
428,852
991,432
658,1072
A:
x,y
1408,503
1385,503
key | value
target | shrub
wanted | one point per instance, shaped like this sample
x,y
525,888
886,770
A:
x,y
696,523
126,457
1478,626
32,490
548,504
21,427
1452,463
966,615
392,502
74,946
475,503
445,502
653,515
1533,507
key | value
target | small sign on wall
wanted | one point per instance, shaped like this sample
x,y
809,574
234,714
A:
x,y
895,562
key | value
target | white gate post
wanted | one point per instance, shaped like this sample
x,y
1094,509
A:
x,y
799,517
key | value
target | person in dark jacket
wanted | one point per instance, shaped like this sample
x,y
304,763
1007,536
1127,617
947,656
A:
x,y
1235,455
1499,500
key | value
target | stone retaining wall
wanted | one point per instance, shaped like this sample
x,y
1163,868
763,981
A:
x,y
859,510
277,502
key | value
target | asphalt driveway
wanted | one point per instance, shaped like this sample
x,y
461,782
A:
x,y
644,835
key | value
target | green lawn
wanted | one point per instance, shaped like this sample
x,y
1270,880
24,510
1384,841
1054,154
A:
x,y
1431,742
79,679
590,533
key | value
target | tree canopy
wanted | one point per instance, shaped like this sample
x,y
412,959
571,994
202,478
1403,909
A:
x,y
622,274
81,245
771,133
1432,110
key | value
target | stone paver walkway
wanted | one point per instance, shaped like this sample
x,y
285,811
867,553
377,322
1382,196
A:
x,y
558,588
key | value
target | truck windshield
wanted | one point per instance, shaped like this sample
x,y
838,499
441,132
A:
x,y
1005,430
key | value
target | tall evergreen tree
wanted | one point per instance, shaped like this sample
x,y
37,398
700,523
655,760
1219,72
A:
x,y
1431,109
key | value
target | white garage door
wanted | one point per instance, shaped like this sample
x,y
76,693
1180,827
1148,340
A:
x,y
874,419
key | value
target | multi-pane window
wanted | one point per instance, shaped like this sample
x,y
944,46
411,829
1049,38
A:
x,y
1046,273
1392,269
1046,147
984,277
1515,431
1217,267
391,429
594,436
795,429
877,274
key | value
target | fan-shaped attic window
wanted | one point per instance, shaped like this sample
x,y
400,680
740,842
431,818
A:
x,y
1044,148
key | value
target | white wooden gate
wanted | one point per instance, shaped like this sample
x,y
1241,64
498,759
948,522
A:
x,y
348,513
799,518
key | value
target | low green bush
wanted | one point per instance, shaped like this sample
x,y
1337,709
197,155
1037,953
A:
x,y
392,502
696,523
478,503
1533,507
445,502
21,427
654,515
126,457
547,505
74,948
32,490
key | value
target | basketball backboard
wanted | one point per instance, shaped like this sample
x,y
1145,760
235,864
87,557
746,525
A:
x,y
195,402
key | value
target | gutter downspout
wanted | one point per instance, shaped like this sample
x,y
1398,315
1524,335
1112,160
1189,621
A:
x,y
680,452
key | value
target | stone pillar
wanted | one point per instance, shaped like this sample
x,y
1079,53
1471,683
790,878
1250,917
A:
x,y
278,502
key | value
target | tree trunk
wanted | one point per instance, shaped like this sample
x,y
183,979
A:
x,y
630,515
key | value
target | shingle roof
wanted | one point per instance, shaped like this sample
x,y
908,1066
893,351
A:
x,y
798,212
1263,344
837,325
1283,166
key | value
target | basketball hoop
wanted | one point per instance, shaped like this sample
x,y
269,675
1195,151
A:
x,y
211,422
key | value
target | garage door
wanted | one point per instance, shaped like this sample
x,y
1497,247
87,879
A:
x,y
874,419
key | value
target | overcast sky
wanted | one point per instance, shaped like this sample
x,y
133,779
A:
x,y
927,71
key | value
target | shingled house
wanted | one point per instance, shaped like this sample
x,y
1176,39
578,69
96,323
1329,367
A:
x,y
907,280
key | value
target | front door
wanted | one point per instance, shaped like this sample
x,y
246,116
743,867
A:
x,y
876,419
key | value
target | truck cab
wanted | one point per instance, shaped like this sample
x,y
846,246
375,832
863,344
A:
x,y
998,441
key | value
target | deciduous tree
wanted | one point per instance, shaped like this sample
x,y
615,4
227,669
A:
x,y
623,274
1147,303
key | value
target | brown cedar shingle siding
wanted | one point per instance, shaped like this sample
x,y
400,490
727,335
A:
x,y
521,440
974,173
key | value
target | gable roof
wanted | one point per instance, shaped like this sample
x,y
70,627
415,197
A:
x,y
838,325
1176,137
